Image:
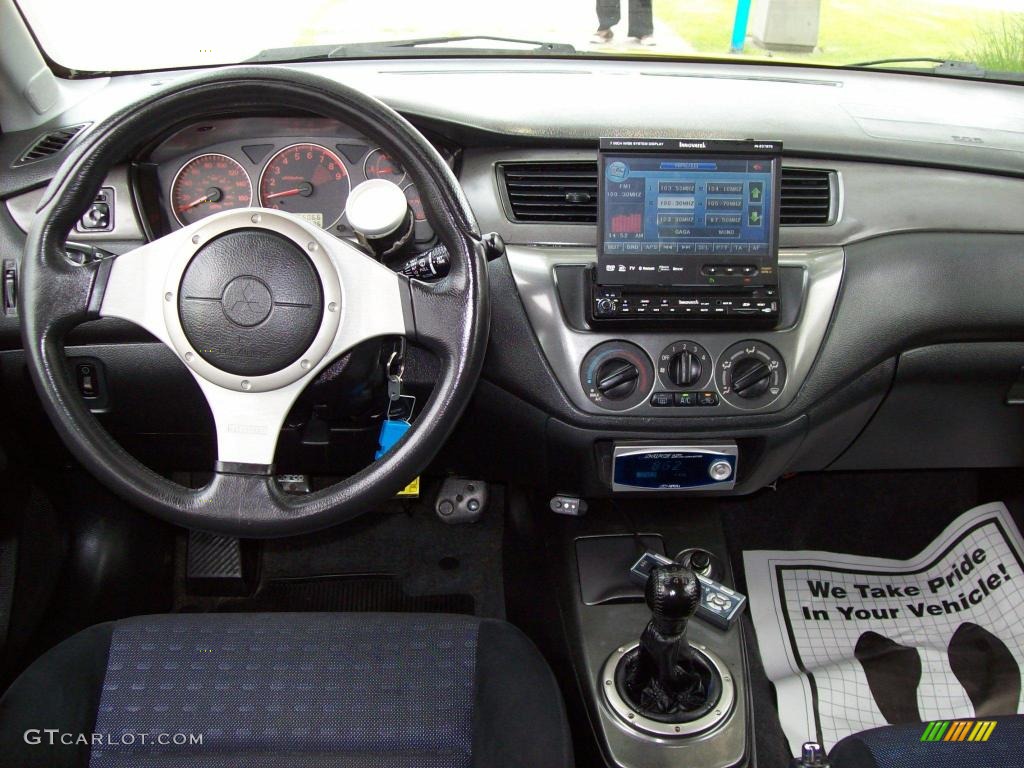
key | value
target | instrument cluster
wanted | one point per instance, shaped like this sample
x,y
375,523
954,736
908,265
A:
x,y
305,166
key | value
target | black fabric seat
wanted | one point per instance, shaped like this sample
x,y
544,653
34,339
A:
x,y
985,743
285,690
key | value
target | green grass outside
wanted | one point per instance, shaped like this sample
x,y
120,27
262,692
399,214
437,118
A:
x,y
856,30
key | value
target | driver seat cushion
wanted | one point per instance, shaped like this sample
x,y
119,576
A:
x,y
282,690
901,746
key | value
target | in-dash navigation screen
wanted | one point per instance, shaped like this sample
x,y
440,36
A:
x,y
688,212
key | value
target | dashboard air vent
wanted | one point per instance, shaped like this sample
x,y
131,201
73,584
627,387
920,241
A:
x,y
557,193
567,193
49,144
806,197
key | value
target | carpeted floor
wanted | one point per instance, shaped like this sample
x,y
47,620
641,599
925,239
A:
x,y
401,557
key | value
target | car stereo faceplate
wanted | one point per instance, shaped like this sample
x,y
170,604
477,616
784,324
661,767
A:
x,y
687,228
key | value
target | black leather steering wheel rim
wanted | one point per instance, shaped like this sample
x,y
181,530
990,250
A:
x,y
450,317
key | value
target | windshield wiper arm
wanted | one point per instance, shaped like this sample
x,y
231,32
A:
x,y
950,67
415,47
911,60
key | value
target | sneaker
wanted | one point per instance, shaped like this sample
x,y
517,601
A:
x,y
602,36
647,40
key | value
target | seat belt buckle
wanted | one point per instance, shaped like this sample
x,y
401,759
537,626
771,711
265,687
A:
x,y
812,755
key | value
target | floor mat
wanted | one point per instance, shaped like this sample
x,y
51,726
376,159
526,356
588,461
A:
x,y
424,561
854,642
345,593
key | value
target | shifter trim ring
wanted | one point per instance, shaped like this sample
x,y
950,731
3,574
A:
x,y
637,722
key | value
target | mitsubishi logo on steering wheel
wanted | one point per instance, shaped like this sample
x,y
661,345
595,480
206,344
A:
x,y
247,301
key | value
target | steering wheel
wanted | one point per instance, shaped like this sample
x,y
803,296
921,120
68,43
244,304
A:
x,y
254,302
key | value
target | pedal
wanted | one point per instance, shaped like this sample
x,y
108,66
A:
x,y
461,501
216,565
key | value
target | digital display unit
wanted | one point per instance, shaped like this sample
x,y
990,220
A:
x,y
694,213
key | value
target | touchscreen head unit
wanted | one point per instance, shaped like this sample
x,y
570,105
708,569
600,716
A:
x,y
693,215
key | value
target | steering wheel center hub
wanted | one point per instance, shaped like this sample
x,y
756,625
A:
x,y
250,302
247,301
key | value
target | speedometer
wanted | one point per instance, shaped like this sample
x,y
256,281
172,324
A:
x,y
307,180
209,184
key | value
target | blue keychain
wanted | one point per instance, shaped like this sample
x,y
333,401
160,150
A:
x,y
391,431
397,423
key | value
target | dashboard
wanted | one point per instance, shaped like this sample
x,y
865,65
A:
x,y
899,256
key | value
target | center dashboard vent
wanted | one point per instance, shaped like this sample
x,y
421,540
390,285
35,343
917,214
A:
x,y
49,144
566,193
806,197
556,193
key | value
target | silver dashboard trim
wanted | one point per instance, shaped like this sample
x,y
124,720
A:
x,y
565,347
23,209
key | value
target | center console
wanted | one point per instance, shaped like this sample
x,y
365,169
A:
x,y
676,337
687,307
666,686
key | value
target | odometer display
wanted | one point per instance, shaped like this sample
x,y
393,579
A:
x,y
209,184
307,180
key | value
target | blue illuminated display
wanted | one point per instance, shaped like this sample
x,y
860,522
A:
x,y
664,217
656,206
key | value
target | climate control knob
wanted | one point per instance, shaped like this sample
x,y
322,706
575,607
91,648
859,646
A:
x,y
750,378
685,365
617,378
617,375
685,369
750,375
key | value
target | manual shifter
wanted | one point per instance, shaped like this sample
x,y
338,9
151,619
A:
x,y
665,678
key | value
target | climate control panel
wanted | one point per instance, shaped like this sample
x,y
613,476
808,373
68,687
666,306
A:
x,y
748,375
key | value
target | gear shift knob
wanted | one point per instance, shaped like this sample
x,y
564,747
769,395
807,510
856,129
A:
x,y
673,595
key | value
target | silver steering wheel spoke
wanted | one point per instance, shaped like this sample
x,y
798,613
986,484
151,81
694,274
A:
x,y
255,303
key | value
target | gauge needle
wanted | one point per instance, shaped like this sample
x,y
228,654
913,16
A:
x,y
305,189
212,196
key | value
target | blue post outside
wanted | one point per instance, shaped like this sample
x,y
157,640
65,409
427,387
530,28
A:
x,y
739,27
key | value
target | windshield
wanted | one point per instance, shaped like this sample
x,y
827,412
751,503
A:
x,y
126,35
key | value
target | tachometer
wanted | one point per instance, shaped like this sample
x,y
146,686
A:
x,y
307,180
380,165
208,184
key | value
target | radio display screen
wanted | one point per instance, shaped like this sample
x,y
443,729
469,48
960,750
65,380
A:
x,y
695,213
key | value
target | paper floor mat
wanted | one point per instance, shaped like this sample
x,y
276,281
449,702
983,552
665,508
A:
x,y
853,643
